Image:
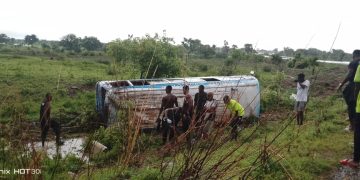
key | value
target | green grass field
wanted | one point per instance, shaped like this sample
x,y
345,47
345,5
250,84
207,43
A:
x,y
314,152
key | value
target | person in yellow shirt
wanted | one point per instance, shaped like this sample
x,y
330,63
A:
x,y
237,112
354,163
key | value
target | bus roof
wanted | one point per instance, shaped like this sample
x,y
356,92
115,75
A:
x,y
165,81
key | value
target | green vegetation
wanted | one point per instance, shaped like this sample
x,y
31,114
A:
x,y
70,74
152,56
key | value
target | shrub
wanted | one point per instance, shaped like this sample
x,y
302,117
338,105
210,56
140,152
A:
x,y
73,163
267,69
113,138
302,65
291,63
203,67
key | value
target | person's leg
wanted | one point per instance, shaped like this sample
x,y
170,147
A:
x,y
172,132
165,130
301,117
352,113
234,131
357,139
56,128
44,131
298,117
350,101
296,108
207,126
186,123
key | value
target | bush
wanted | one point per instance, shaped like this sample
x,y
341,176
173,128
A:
x,y
267,69
203,67
291,63
85,53
6,50
149,174
113,69
73,163
91,81
103,61
113,138
302,65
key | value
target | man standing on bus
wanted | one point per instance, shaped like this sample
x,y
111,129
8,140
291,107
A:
x,y
168,101
237,113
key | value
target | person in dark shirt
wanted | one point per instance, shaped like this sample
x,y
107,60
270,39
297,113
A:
x,y
348,92
200,100
169,101
354,163
46,122
188,108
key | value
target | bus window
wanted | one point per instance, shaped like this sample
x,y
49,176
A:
x,y
210,79
119,83
139,82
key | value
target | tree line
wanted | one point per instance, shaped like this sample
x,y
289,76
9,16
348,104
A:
x,y
193,48
69,42
159,56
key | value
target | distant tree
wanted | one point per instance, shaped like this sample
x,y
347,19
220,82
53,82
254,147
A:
x,y
91,43
4,38
226,48
12,40
154,56
297,58
234,46
288,52
31,39
45,45
237,54
337,54
276,51
71,42
313,64
191,46
249,48
228,68
206,51
276,59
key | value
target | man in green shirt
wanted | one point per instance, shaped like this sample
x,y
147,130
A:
x,y
237,112
356,124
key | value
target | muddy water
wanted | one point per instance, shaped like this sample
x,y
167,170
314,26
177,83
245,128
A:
x,y
72,146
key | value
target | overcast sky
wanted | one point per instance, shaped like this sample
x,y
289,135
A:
x,y
267,24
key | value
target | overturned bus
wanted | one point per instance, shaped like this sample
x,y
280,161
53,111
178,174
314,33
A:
x,y
145,95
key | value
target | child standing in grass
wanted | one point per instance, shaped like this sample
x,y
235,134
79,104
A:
x,y
301,97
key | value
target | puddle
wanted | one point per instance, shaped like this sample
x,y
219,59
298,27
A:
x,y
72,146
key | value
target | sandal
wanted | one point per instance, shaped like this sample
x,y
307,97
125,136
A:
x,y
350,163
344,162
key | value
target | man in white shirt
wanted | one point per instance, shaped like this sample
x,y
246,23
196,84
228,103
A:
x,y
210,114
301,97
